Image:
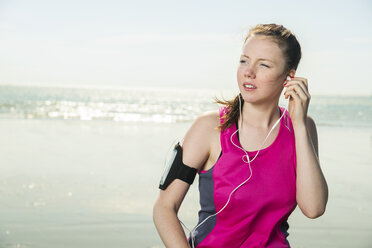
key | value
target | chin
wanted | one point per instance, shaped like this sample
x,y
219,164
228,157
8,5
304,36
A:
x,y
249,99
256,99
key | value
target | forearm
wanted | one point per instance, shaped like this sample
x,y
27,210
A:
x,y
311,186
169,227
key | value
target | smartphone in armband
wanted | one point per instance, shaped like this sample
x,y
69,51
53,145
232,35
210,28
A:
x,y
176,169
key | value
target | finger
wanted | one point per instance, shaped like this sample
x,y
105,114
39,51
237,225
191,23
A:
x,y
304,80
297,94
293,95
299,91
301,84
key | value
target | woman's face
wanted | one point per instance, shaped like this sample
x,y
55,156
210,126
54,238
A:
x,y
261,72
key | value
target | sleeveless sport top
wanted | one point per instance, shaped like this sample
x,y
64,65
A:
x,y
257,213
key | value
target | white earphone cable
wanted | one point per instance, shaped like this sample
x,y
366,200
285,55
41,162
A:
x,y
248,161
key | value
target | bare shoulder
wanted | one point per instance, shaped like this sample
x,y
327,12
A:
x,y
204,124
198,139
209,119
195,152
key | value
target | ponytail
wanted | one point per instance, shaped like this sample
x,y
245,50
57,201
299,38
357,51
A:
x,y
231,116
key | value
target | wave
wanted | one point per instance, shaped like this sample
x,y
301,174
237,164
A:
x,y
158,106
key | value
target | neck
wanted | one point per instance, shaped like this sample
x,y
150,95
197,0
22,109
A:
x,y
260,115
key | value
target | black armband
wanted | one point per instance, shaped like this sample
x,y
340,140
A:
x,y
176,169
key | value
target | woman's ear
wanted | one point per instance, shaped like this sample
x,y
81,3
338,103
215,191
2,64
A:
x,y
292,73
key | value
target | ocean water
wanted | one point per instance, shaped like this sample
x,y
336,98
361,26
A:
x,y
81,167
155,105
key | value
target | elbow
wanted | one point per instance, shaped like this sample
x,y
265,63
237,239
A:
x,y
313,207
314,213
313,210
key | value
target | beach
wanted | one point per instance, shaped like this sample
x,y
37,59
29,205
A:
x,y
81,167
93,184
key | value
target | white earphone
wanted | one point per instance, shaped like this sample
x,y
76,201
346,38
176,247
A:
x,y
245,159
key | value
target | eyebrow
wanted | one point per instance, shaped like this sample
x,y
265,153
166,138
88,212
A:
x,y
258,58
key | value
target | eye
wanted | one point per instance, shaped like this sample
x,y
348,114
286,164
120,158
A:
x,y
265,65
242,61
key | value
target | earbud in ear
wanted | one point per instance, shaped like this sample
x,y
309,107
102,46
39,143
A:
x,y
287,79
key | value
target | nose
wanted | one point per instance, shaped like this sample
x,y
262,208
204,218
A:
x,y
249,72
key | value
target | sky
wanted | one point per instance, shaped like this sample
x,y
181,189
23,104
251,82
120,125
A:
x,y
178,44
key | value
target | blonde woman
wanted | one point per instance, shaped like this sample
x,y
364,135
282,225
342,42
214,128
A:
x,y
256,161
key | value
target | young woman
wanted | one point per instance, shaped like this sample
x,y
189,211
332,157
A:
x,y
256,161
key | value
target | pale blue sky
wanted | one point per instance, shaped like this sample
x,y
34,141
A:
x,y
186,44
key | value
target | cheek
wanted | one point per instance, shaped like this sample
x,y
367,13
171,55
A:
x,y
270,78
267,80
240,73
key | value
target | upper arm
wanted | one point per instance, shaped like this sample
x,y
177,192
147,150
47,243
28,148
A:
x,y
197,141
311,127
195,151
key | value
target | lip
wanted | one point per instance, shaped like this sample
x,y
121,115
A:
x,y
249,89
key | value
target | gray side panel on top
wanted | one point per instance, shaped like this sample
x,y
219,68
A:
x,y
206,187
284,228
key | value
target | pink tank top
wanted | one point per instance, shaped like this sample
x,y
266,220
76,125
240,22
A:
x,y
257,213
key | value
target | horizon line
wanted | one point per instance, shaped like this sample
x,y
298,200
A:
x,y
160,87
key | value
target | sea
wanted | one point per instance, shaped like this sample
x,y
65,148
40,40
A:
x,y
156,105
80,166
